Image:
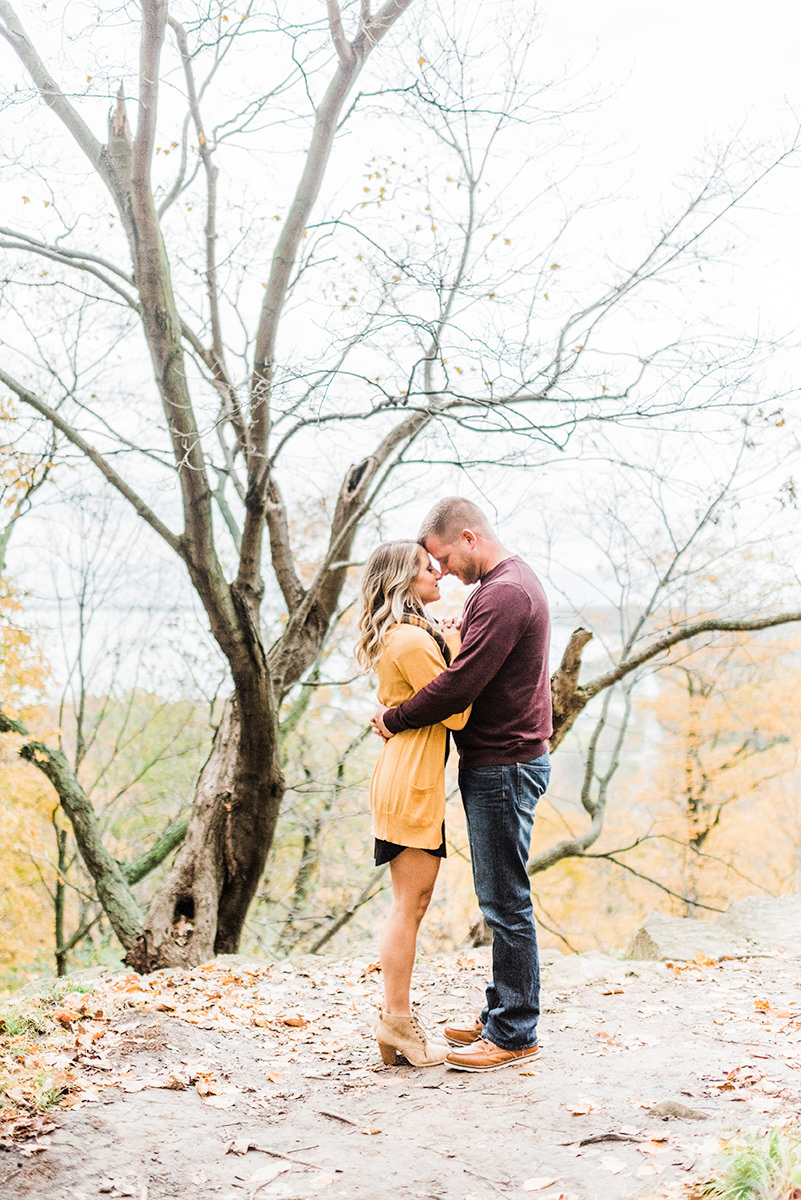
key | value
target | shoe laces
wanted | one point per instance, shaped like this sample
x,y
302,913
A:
x,y
417,1025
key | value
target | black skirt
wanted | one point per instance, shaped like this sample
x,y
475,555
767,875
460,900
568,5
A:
x,y
386,851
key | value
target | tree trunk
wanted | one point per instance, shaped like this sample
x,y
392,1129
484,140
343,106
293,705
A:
x,y
59,899
200,909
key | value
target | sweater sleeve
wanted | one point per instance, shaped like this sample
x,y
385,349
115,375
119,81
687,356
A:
x,y
499,615
419,662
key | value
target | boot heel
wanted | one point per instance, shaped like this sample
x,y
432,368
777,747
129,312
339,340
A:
x,y
388,1053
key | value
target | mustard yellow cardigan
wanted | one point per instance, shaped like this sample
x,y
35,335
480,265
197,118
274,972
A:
x,y
407,793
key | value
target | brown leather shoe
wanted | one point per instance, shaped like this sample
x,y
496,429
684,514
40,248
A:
x,y
463,1035
486,1056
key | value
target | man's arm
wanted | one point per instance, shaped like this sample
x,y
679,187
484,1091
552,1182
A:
x,y
497,621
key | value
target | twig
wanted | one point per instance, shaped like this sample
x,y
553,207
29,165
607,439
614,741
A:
x,y
476,1175
655,882
298,1162
336,1117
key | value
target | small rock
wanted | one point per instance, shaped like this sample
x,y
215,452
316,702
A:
x,y
756,926
673,1108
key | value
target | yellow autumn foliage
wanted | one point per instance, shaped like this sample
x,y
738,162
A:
x,y
712,757
26,800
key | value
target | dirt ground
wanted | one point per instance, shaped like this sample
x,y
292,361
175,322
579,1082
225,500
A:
x,y
242,1080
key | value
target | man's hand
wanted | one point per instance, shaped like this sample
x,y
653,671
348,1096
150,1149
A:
x,y
377,723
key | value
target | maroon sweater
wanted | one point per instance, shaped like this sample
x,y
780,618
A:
x,y
501,669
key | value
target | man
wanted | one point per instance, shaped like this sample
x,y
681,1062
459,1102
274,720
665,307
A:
x,y
502,670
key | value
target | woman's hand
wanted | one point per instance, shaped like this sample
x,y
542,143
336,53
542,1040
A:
x,y
449,623
377,723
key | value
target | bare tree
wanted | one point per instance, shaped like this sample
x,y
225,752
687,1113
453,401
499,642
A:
x,y
368,341
663,584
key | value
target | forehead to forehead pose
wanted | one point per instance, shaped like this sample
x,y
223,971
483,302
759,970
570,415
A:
x,y
458,534
407,650
502,673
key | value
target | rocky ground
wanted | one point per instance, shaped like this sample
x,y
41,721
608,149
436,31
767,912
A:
x,y
243,1080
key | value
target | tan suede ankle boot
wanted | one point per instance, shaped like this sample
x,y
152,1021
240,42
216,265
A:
x,y
402,1035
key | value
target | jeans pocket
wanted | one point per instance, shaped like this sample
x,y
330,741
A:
x,y
532,782
484,785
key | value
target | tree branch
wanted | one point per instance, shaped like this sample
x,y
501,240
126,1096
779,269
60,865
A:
x,y
151,858
365,895
82,259
151,40
113,889
564,683
297,648
49,90
655,883
143,510
708,625
280,548
283,261
341,44
569,703
211,213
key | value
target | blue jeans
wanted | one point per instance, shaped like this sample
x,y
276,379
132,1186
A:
x,y
499,805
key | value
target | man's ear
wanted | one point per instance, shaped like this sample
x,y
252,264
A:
x,y
469,537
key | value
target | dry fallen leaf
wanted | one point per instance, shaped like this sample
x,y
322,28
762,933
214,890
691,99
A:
x,y
649,1168
275,1077
66,1016
173,1083
219,1101
368,1130
536,1185
654,1145
579,1110
238,1146
609,1163
266,1174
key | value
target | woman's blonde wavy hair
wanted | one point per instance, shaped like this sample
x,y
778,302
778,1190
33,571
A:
x,y
387,592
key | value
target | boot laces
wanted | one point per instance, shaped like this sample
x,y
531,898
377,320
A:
x,y
417,1026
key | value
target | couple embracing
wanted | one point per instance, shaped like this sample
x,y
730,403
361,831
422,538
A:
x,y
488,682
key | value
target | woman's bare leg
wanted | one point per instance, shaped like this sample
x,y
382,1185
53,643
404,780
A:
x,y
414,874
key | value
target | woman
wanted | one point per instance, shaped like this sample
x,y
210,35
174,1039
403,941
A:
x,y
407,793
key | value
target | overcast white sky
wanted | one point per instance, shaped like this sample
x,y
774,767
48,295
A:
x,y
693,74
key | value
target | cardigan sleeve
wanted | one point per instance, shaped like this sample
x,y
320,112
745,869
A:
x,y
418,659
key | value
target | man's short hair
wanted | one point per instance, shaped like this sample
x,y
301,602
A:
x,y
450,516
